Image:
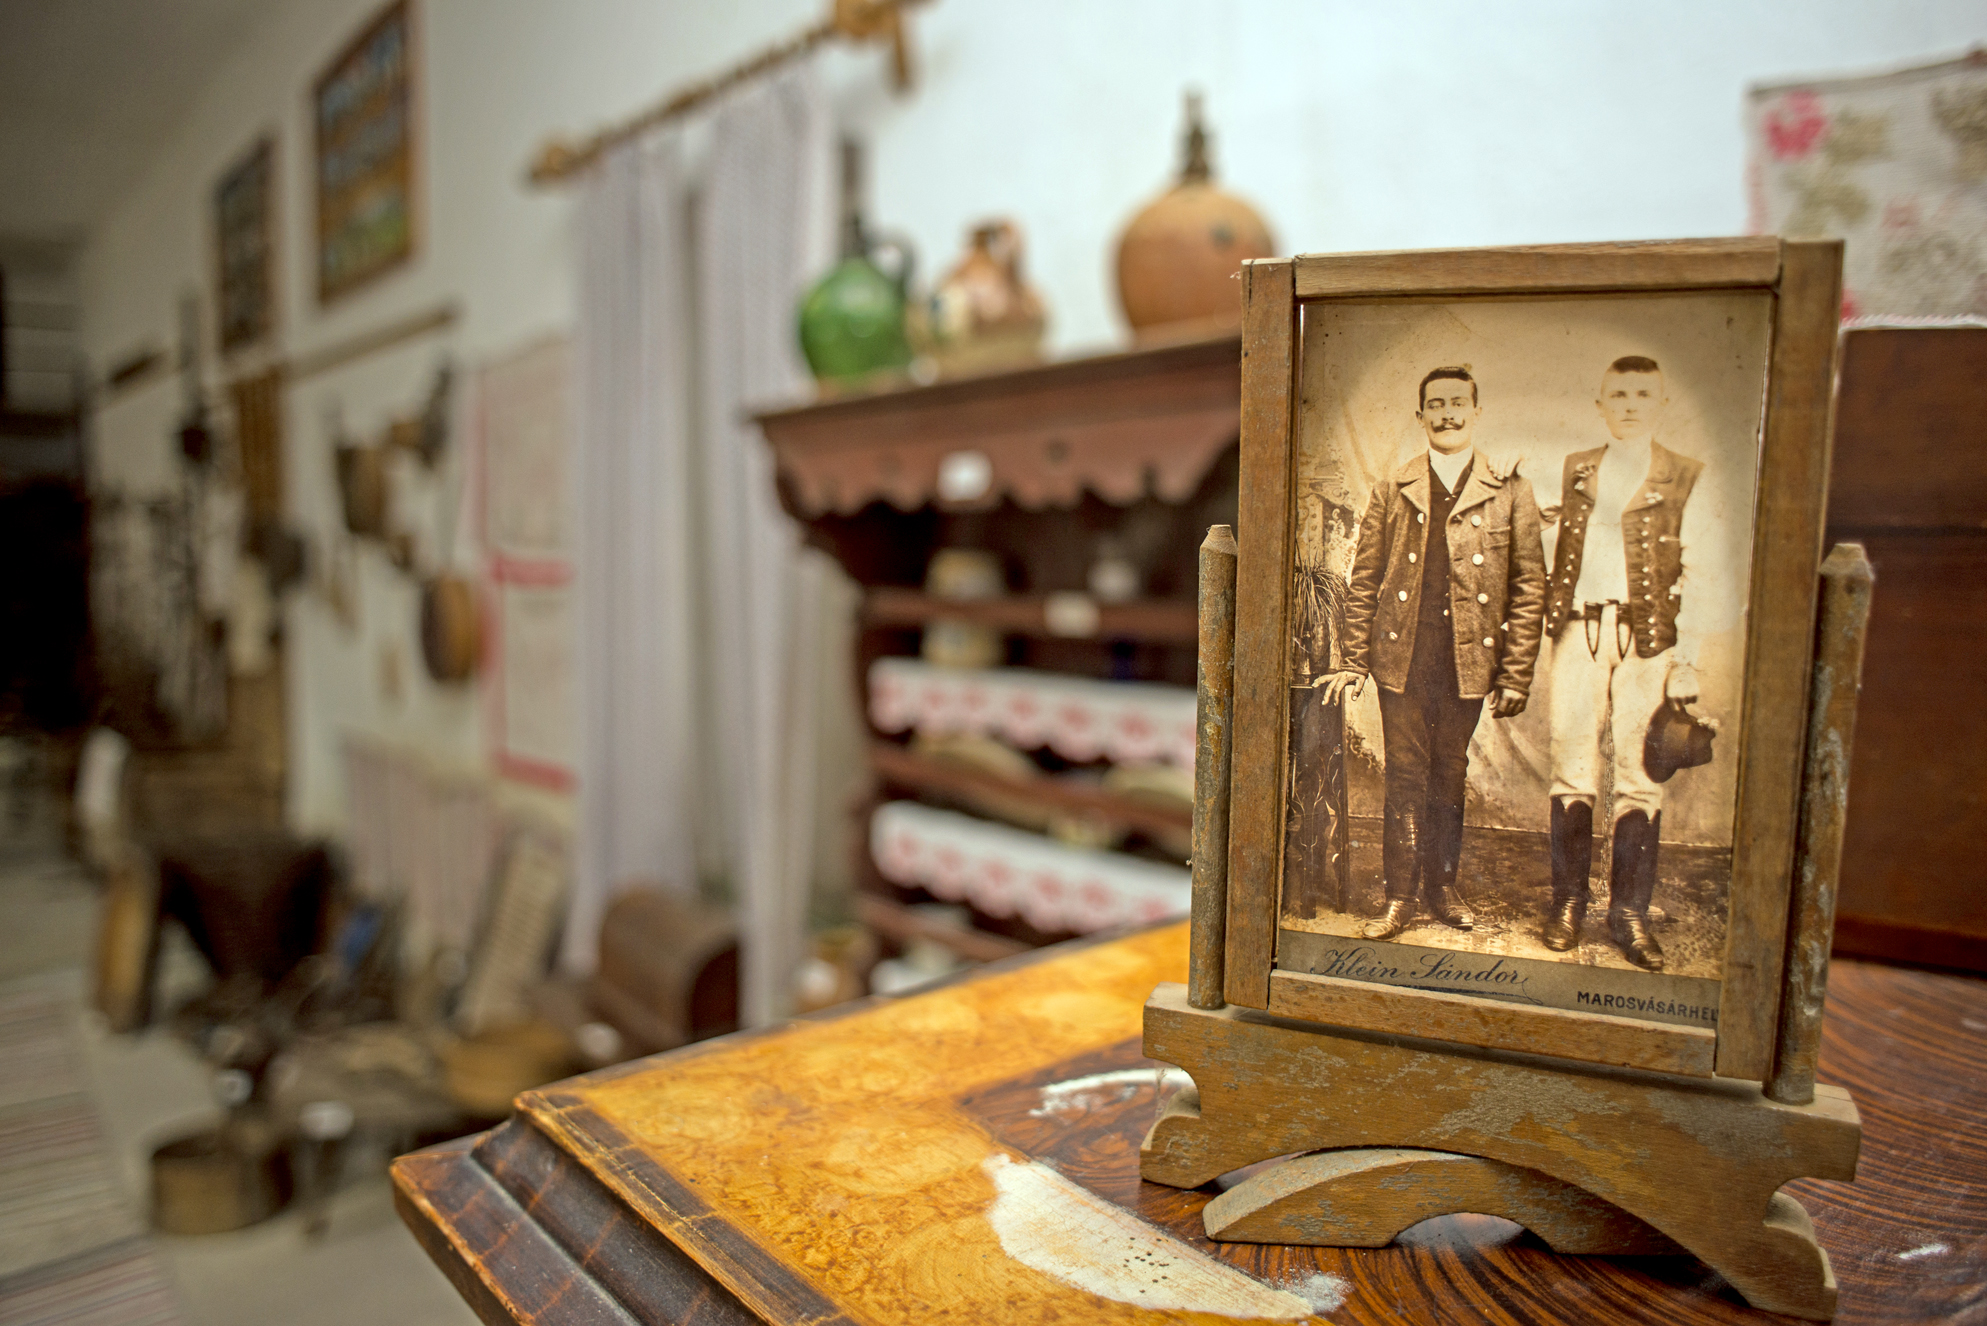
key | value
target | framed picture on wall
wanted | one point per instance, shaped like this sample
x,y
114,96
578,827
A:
x,y
244,246
1528,553
363,120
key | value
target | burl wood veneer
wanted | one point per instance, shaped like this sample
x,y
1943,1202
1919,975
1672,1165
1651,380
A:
x,y
846,1170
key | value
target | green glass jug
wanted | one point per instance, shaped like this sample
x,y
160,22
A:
x,y
852,321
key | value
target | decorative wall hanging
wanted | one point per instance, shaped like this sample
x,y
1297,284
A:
x,y
363,111
450,619
244,244
533,684
362,486
523,413
1895,164
451,638
527,507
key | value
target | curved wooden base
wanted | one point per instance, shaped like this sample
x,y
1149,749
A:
x,y
1365,1197
1698,1161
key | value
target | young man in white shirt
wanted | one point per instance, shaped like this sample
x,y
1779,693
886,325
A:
x,y
1624,643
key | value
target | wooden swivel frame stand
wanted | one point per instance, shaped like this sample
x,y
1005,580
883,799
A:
x,y
1388,1130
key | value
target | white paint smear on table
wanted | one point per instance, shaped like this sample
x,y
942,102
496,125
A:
x,y
1065,1231
1924,1250
1077,1095
1324,1291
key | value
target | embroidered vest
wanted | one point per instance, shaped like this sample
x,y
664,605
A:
x,y
1651,532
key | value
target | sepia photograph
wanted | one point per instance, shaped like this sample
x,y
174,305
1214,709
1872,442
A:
x,y
1517,614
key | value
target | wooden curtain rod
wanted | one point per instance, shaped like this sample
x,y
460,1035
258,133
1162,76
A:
x,y
851,20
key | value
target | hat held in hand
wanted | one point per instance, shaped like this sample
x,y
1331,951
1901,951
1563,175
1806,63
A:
x,y
1678,739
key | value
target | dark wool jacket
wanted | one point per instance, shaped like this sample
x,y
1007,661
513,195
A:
x,y
1497,579
1651,532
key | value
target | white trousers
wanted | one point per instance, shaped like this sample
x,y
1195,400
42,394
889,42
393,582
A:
x,y
1595,694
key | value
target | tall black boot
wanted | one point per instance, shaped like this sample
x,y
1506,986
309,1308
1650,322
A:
x,y
1646,879
1441,854
1572,861
1400,866
1631,883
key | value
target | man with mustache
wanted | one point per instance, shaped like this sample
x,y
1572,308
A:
x,y
1444,609
1624,639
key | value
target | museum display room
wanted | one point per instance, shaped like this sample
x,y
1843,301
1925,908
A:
x,y
895,660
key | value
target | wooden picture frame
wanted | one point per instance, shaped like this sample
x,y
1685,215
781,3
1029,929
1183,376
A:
x,y
245,248
1800,283
364,126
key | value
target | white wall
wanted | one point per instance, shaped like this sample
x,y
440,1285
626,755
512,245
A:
x,y
1351,126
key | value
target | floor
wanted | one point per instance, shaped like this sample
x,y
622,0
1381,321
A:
x,y
148,1088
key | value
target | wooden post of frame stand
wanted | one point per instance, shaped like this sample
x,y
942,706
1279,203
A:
x,y
1389,1130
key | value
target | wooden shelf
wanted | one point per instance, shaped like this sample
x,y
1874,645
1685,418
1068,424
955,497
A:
x,y
1155,621
1118,425
902,765
896,921
1168,374
1041,465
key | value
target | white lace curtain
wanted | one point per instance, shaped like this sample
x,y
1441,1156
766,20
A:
x,y
705,627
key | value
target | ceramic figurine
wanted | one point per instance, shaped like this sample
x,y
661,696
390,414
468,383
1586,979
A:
x,y
984,317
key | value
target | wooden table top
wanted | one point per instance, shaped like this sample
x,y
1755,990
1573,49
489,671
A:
x,y
971,1154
